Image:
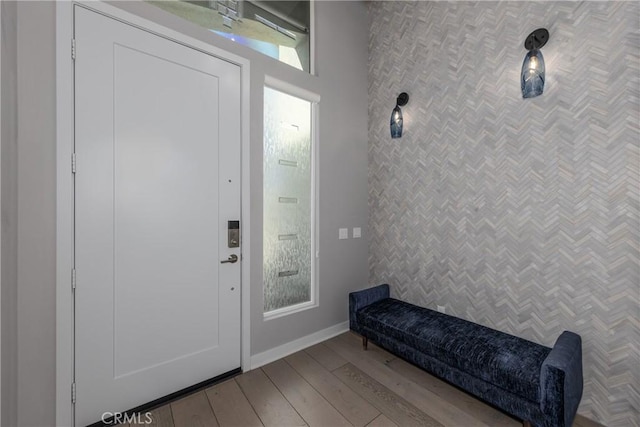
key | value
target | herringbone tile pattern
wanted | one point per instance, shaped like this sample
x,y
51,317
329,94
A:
x,y
522,215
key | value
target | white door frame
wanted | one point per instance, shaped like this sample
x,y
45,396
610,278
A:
x,y
64,186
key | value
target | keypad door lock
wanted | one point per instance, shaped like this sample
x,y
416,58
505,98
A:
x,y
233,233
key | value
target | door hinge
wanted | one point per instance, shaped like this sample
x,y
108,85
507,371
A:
x,y
73,49
73,279
73,163
73,393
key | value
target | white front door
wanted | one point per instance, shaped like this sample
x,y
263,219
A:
x,y
157,181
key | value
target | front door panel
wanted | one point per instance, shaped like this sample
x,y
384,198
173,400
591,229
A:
x,y
157,181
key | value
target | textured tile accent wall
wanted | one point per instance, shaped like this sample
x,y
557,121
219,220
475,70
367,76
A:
x,y
522,215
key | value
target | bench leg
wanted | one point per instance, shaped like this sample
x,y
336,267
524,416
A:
x,y
365,341
526,423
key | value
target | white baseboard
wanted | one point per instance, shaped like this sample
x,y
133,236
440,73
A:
x,y
261,359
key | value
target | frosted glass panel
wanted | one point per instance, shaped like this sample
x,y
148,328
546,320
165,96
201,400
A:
x,y
287,200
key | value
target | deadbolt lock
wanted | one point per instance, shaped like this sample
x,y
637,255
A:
x,y
233,232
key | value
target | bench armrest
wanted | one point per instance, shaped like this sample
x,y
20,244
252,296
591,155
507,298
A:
x,y
561,379
363,298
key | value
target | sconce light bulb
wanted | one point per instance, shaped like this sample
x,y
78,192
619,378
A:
x,y
396,115
533,74
396,122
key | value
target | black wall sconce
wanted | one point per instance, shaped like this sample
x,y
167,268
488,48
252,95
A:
x,y
532,77
396,115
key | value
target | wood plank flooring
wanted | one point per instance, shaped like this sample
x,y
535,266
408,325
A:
x,y
334,383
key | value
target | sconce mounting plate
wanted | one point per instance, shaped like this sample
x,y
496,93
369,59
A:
x,y
536,39
402,99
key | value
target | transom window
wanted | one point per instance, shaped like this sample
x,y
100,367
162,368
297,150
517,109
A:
x,y
279,29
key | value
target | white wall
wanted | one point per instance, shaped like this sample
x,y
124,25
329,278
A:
x,y
9,211
341,81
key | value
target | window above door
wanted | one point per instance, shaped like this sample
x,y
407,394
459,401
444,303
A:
x,y
279,29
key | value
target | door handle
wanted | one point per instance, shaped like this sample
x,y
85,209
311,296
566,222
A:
x,y
232,259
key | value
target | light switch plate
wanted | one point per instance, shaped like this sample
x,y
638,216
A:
x,y
357,232
343,233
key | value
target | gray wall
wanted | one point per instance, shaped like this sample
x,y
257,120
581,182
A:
x,y
341,40
341,82
517,214
9,210
36,213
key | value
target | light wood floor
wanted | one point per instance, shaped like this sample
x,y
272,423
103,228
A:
x,y
334,383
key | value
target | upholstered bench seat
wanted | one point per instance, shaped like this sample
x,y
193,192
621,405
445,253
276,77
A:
x,y
538,384
498,358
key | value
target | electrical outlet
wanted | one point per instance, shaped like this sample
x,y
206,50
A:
x,y
441,308
357,232
343,233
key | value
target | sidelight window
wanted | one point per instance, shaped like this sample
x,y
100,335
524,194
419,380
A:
x,y
288,203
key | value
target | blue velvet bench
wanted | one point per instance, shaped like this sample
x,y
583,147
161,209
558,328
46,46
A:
x,y
540,385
